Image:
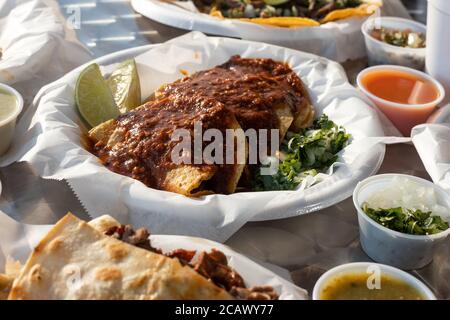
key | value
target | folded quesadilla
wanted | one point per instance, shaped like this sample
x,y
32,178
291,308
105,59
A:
x,y
106,260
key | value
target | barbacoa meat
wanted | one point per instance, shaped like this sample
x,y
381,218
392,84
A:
x,y
255,293
139,238
213,265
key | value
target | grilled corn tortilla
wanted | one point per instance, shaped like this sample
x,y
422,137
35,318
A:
x,y
184,180
368,7
365,9
189,180
76,261
285,22
13,268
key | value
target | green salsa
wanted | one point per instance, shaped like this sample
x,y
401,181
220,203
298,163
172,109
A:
x,y
8,104
354,286
403,220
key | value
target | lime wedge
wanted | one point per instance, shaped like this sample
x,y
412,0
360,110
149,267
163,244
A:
x,y
125,86
93,97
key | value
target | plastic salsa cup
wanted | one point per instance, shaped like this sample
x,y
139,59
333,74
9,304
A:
x,y
11,104
403,116
365,267
380,52
383,245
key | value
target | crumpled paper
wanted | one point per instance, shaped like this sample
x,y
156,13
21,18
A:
x,y
441,115
17,241
339,41
50,139
432,142
37,45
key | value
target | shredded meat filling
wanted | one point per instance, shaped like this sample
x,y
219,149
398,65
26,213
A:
x,y
185,256
138,238
213,265
255,293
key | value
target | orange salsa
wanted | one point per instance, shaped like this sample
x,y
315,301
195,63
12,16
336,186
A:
x,y
400,87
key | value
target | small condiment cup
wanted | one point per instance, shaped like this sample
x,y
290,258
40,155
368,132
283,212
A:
x,y
380,52
369,267
403,116
405,251
8,125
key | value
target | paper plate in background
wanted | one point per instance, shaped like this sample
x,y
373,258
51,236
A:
x,y
339,41
51,141
17,241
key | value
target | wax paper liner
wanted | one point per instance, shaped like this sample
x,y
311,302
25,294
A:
x,y
51,139
18,240
340,41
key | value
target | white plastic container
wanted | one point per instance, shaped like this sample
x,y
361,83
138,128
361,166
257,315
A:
x,y
403,116
362,267
380,52
387,246
8,125
438,42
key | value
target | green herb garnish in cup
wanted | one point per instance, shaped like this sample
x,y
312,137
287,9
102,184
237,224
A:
x,y
306,153
400,38
408,221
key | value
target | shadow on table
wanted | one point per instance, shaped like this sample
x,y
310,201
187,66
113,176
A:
x,y
31,199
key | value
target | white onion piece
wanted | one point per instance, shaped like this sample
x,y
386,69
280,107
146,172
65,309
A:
x,y
408,194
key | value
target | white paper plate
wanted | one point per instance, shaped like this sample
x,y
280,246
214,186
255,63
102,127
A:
x,y
51,143
339,41
18,240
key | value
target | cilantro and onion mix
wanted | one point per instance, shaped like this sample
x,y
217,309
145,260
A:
x,y
303,154
408,207
400,38
313,9
408,221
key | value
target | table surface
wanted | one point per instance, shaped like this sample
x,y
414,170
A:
x,y
307,245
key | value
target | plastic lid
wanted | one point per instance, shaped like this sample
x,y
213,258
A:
x,y
442,5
